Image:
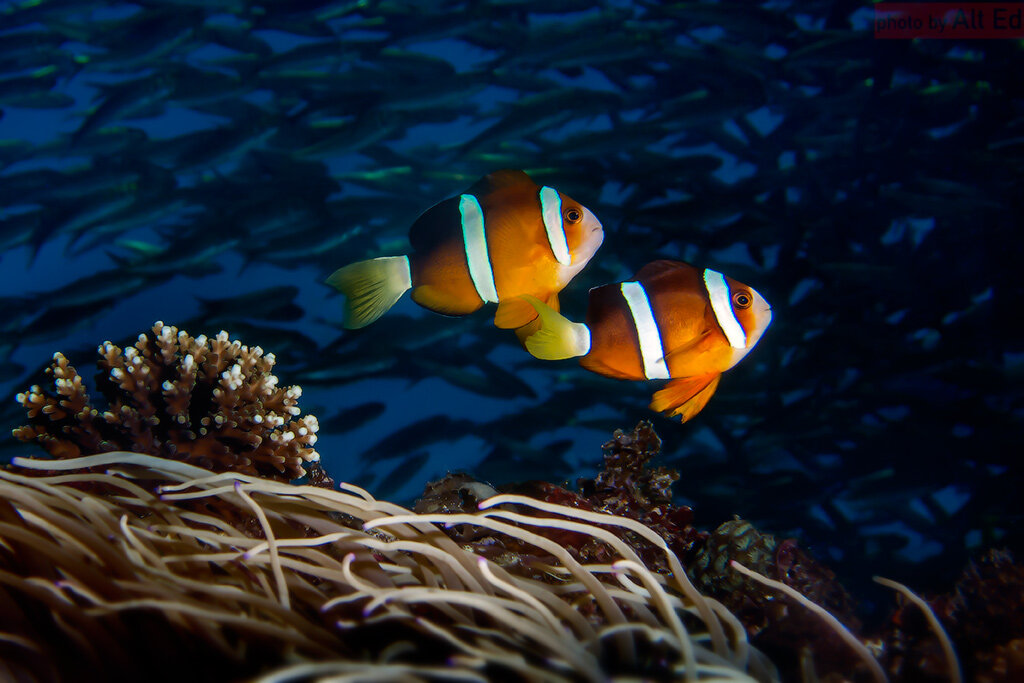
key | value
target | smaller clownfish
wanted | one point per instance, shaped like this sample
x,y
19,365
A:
x,y
672,321
503,238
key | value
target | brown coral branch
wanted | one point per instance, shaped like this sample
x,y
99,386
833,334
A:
x,y
210,402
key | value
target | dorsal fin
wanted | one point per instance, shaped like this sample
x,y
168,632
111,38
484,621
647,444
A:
x,y
668,284
437,225
654,269
442,222
499,179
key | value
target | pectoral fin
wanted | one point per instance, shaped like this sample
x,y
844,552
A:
x,y
513,313
685,396
682,348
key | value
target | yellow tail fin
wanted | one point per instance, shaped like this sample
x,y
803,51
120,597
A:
x,y
371,287
557,337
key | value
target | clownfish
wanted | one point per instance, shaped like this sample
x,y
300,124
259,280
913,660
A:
x,y
504,237
671,321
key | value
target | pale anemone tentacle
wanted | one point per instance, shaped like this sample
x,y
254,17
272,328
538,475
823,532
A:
x,y
608,606
678,573
873,666
955,673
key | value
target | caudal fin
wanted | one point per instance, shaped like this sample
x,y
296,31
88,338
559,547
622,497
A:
x,y
685,396
371,287
557,337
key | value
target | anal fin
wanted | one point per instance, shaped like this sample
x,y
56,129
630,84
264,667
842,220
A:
x,y
596,364
685,396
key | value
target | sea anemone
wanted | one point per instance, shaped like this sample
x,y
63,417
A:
x,y
213,403
112,563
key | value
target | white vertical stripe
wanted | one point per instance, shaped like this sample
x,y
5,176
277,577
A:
x,y
646,330
475,241
551,210
721,304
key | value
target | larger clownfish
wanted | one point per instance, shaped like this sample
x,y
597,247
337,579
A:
x,y
504,237
672,321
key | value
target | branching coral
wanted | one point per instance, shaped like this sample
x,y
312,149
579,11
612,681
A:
x,y
627,484
626,487
209,402
630,486
134,584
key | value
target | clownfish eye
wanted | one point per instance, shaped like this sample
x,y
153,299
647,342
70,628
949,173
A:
x,y
742,300
573,215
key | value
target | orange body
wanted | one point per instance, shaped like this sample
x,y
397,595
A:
x,y
685,331
504,238
520,257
